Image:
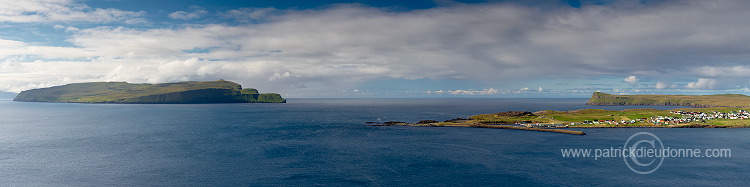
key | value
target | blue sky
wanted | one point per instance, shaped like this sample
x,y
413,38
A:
x,y
383,48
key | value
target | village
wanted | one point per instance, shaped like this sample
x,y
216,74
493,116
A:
x,y
686,117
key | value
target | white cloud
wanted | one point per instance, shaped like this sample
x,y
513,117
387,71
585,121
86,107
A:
x,y
71,29
28,11
10,49
663,85
67,29
490,91
279,76
703,84
739,71
247,15
631,80
187,15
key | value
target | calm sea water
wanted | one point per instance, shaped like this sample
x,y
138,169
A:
x,y
310,142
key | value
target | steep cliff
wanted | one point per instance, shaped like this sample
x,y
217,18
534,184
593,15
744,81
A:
x,y
220,91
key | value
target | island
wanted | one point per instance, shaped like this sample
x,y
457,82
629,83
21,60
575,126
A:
x,y
189,92
711,111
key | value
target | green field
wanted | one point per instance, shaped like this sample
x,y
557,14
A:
x,y
578,116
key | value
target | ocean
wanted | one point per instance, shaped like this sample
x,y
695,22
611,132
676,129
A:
x,y
311,142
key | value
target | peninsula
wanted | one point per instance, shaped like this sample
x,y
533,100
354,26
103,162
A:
x,y
712,111
557,121
719,100
190,92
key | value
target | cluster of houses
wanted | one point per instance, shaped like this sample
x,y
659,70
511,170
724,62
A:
x,y
612,122
686,117
543,125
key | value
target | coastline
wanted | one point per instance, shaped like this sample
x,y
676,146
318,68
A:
x,y
674,127
710,111
561,129
484,126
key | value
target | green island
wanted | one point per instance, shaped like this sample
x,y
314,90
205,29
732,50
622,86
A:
x,y
713,111
190,92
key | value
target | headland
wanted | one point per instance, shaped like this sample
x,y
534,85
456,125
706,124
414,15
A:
x,y
702,101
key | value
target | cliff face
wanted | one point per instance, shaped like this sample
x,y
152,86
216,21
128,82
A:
x,y
721,100
599,98
168,93
269,98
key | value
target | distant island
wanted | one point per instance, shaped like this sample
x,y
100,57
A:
x,y
7,95
703,101
190,92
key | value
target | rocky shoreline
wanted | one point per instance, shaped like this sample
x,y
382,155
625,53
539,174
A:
x,y
679,126
560,121
555,130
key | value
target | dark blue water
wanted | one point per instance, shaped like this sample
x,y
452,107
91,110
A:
x,y
310,142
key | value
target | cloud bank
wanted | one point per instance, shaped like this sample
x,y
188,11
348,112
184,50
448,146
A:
x,y
30,11
690,44
490,91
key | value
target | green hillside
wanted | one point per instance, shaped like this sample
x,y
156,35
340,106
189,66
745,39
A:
x,y
720,100
220,91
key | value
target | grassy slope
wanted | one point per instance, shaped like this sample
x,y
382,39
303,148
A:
x,y
122,92
720,100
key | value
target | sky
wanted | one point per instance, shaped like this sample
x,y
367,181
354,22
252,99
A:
x,y
383,48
